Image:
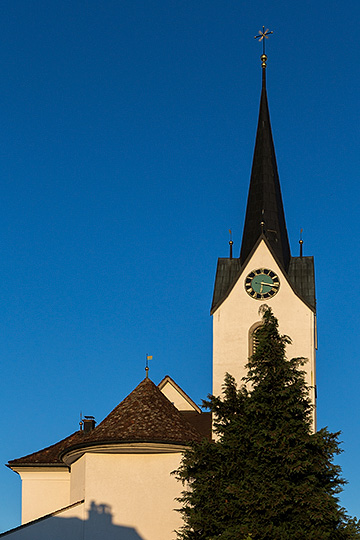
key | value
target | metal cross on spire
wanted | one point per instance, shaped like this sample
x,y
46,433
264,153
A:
x,y
264,34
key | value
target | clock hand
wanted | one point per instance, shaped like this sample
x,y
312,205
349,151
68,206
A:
x,y
268,284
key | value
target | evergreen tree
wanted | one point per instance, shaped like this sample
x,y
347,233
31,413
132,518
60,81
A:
x,y
267,476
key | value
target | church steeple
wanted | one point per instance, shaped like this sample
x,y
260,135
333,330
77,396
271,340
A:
x,y
265,212
265,272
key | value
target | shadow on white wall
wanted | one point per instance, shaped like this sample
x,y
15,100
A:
x,y
97,526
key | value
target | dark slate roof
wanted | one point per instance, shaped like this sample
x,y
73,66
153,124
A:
x,y
226,275
302,277
264,200
265,218
145,415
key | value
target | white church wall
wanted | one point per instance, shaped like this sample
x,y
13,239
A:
x,y
238,313
77,482
44,490
137,491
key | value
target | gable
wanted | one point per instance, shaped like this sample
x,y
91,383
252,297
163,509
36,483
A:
x,y
300,276
177,396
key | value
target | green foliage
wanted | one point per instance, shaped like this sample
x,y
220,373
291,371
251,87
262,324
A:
x,y
268,476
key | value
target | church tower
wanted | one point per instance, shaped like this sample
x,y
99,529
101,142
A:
x,y
264,273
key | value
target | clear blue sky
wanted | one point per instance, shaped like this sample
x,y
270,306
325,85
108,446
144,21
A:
x,y
126,141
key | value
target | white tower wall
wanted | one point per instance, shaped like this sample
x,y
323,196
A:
x,y
238,313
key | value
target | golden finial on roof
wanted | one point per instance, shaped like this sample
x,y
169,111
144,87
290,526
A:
x,y
264,34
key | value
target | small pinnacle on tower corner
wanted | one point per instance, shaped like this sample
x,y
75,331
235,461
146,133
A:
x,y
231,244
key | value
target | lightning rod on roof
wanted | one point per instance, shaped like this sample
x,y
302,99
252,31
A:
x,y
301,241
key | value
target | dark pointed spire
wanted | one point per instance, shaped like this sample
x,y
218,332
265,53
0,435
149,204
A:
x,y
265,212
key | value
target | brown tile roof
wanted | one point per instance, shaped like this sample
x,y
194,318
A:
x,y
49,455
145,415
202,422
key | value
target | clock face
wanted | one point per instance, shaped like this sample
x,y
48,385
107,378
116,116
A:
x,y
262,284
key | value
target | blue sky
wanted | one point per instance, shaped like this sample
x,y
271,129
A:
x,y
126,141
